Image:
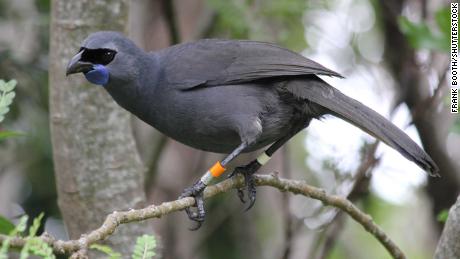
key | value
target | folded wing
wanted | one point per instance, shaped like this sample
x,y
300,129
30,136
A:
x,y
224,62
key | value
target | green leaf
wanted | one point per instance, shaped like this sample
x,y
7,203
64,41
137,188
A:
x,y
7,99
145,247
442,17
25,251
443,215
4,248
106,250
10,134
4,110
35,245
39,247
6,96
6,226
21,226
420,36
8,86
456,126
35,225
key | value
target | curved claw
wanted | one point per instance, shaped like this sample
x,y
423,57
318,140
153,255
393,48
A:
x,y
252,201
252,192
199,215
196,191
247,171
240,193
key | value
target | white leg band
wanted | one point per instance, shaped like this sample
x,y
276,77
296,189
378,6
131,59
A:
x,y
263,159
206,178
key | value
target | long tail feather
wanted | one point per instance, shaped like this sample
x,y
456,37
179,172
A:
x,y
350,110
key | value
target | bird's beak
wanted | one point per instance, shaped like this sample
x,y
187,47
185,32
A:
x,y
76,65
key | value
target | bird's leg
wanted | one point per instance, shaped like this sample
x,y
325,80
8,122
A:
x,y
196,190
248,170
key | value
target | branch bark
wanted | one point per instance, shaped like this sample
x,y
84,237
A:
x,y
96,162
115,219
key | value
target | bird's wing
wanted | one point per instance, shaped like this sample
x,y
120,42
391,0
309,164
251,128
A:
x,y
221,62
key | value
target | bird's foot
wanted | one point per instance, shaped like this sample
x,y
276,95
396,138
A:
x,y
198,215
248,172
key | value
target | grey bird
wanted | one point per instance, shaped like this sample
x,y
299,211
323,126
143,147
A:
x,y
227,96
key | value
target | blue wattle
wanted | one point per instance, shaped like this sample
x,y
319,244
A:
x,y
99,75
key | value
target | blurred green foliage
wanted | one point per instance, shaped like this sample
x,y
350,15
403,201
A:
x,y
33,245
269,20
6,226
456,126
29,111
443,215
143,249
421,36
7,95
107,250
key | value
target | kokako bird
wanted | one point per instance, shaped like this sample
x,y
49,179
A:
x,y
227,96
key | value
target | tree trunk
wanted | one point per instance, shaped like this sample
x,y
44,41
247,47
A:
x,y
98,169
449,244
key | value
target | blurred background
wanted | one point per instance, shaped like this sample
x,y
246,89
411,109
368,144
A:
x,y
395,58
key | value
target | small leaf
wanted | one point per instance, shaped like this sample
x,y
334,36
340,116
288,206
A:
x,y
145,247
420,36
4,248
10,134
442,17
443,215
2,86
39,247
34,244
456,126
9,86
106,250
35,225
25,251
4,110
8,98
6,226
21,226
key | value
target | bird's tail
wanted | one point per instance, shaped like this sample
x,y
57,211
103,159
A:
x,y
354,112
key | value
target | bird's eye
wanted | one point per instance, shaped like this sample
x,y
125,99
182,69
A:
x,y
98,56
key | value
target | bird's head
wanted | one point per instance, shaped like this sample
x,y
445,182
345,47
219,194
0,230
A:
x,y
105,56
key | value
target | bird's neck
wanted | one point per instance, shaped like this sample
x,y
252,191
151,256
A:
x,y
138,96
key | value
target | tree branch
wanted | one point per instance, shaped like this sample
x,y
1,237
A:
x,y
115,219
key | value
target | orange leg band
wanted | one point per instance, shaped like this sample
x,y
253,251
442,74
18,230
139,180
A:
x,y
217,169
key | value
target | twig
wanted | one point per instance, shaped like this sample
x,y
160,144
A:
x,y
115,219
360,188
